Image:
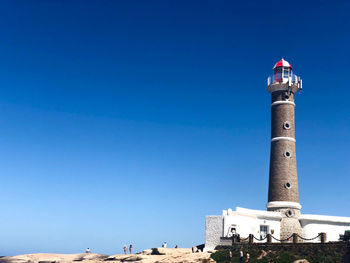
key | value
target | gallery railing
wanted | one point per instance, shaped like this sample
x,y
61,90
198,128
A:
x,y
282,78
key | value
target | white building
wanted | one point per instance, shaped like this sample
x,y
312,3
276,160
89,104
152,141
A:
x,y
260,223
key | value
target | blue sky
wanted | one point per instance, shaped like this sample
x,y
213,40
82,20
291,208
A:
x,y
129,121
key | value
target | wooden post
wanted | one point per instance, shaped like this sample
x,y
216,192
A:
x,y
233,239
251,239
269,238
323,237
295,238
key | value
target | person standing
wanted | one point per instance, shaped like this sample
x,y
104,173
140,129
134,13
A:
x,y
164,245
240,256
229,256
248,258
125,249
130,249
88,250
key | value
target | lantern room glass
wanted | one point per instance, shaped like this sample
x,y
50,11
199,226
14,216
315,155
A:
x,y
286,72
282,72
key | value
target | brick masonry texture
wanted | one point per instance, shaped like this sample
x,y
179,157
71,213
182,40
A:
x,y
283,170
283,177
280,114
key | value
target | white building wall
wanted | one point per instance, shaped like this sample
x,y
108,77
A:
x,y
248,221
333,226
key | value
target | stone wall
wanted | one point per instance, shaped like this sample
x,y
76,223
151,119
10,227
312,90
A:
x,y
283,181
213,231
314,252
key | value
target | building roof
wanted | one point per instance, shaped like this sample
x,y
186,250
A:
x,y
282,63
261,214
325,219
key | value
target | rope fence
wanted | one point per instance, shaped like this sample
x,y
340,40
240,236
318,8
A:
x,y
282,240
260,239
294,238
309,239
244,239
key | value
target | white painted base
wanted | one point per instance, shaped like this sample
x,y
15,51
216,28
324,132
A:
x,y
282,204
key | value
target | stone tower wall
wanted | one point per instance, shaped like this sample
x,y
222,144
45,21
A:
x,y
283,181
290,223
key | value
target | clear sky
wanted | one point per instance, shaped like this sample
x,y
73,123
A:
x,y
130,121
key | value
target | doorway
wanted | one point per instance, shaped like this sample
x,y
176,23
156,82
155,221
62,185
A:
x,y
264,230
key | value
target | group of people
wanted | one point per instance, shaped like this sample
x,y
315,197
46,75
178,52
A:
x,y
88,250
165,244
241,257
126,249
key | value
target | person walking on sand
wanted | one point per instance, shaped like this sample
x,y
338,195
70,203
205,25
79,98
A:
x,y
164,245
230,256
240,256
248,258
130,249
125,249
88,250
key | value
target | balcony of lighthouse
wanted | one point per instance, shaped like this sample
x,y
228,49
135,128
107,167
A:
x,y
284,80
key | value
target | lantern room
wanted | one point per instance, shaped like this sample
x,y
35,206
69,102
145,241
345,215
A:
x,y
283,78
282,70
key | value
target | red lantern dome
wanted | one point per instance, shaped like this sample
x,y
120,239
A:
x,y
282,63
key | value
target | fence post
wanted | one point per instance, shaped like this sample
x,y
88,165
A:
x,y
269,238
295,238
323,237
251,239
233,239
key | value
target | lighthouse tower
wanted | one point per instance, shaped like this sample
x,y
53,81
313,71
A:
x,y
283,180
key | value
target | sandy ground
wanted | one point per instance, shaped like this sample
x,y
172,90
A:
x,y
159,255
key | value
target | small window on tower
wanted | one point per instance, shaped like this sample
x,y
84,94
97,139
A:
x,y
289,213
286,125
287,154
287,185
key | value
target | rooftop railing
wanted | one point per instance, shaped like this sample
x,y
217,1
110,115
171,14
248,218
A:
x,y
283,78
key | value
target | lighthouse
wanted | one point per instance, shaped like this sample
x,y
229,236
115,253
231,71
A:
x,y
283,195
